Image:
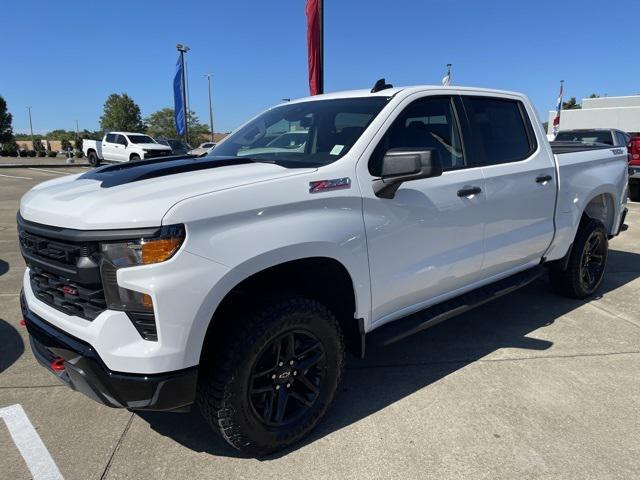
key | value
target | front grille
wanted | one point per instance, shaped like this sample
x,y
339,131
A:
x,y
157,153
62,252
85,301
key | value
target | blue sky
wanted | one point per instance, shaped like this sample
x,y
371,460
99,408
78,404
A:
x,y
65,58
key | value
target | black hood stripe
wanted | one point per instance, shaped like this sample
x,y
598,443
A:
x,y
123,173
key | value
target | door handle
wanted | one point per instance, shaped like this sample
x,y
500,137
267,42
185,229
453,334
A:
x,y
466,192
544,178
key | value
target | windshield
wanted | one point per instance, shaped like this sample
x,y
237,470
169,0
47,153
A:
x,y
141,139
586,136
310,133
177,144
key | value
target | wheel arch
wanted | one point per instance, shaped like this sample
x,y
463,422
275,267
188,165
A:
x,y
322,278
602,207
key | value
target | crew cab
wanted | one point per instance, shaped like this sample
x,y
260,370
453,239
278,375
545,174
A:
x,y
123,147
236,282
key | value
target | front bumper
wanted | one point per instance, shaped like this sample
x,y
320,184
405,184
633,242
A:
x,y
85,372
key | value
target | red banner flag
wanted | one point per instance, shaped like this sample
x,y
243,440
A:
x,y
314,45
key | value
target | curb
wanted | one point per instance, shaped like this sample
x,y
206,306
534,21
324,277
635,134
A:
x,y
43,165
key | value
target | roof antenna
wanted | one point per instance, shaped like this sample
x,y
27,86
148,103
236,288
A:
x,y
381,85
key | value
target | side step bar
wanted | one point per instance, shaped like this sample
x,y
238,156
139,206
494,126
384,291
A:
x,y
414,323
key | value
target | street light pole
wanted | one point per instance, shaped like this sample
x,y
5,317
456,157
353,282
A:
x,y
209,75
33,142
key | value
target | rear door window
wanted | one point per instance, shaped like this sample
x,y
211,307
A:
x,y
111,138
502,129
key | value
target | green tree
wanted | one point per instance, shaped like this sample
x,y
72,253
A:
x,y
7,140
594,95
571,104
121,113
162,124
65,144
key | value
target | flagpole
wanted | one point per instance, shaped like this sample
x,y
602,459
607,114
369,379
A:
x,y
321,35
182,49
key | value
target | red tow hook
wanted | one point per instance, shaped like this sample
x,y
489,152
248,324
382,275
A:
x,y
57,365
23,323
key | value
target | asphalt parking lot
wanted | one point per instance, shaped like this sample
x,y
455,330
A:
x,y
530,386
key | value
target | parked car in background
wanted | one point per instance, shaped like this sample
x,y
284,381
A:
x,y
237,282
634,169
178,147
123,147
606,136
205,147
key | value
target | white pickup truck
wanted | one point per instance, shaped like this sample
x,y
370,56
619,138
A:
x,y
236,282
123,147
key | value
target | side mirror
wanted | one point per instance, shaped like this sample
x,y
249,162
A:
x,y
401,165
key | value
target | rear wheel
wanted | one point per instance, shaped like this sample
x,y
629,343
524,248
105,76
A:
x,y
94,161
276,377
587,262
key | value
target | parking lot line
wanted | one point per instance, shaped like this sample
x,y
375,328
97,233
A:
x,y
15,176
51,172
29,443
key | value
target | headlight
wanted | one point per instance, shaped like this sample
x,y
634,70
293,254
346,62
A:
x,y
134,252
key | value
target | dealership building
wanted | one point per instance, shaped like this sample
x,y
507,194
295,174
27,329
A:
x,y
622,113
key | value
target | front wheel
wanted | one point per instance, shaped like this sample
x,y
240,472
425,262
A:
x,y
135,158
587,262
276,377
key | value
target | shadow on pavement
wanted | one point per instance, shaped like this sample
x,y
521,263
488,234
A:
x,y
4,267
11,345
389,374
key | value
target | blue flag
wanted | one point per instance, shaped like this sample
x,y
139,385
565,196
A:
x,y
178,99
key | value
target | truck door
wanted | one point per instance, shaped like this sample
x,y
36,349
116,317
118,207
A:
x,y
520,181
109,150
427,241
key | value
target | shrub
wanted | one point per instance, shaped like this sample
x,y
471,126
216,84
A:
x,y
53,154
41,153
79,155
31,153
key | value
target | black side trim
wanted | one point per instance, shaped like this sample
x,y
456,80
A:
x,y
86,372
399,329
72,235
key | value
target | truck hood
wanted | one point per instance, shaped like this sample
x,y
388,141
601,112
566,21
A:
x,y
132,195
152,146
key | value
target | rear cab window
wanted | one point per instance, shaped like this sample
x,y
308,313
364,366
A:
x,y
501,127
111,138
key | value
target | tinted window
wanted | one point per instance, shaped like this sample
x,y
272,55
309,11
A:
x,y
585,136
426,123
121,140
141,139
111,138
500,128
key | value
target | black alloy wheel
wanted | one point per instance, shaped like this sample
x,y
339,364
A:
x,y
592,262
286,378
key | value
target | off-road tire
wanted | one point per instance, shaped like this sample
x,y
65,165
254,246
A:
x,y
570,282
94,161
227,370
